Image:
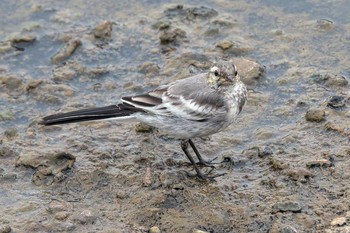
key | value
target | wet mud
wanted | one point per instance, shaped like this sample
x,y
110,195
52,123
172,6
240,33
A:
x,y
287,156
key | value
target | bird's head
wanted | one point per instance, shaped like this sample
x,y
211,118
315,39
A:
x,y
222,74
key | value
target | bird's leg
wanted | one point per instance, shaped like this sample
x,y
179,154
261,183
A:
x,y
203,162
199,174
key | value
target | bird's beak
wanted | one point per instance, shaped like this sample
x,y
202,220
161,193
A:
x,y
230,78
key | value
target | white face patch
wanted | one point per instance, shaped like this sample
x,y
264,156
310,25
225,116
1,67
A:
x,y
213,69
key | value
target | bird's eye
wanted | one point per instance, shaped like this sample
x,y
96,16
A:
x,y
216,73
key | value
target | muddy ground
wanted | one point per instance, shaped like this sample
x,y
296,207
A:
x,y
287,157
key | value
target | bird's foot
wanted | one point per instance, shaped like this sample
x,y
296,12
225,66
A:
x,y
205,176
207,163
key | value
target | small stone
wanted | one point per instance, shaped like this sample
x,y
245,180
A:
x,y
149,68
264,152
288,229
319,163
226,44
57,206
121,194
103,30
288,206
33,84
62,215
66,51
324,25
335,127
5,229
336,102
23,38
143,128
148,177
154,229
315,114
86,217
63,73
11,132
6,152
169,36
339,221
199,231
7,115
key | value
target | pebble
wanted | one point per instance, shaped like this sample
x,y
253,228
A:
x,y
287,206
103,30
7,115
154,229
199,231
62,215
315,114
319,163
336,102
86,217
171,35
11,132
5,229
149,68
143,128
23,38
339,221
63,73
66,51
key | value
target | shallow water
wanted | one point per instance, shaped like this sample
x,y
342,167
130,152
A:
x,y
289,149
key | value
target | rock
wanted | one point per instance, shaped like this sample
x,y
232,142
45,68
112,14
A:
x,y
315,114
336,102
199,231
103,30
7,115
324,163
298,174
32,84
324,25
143,128
121,194
63,73
264,152
66,51
226,44
154,229
149,68
190,13
249,70
56,206
6,152
329,79
172,35
11,132
335,127
5,229
23,39
148,177
287,206
12,83
237,47
62,215
339,221
288,229
46,164
86,217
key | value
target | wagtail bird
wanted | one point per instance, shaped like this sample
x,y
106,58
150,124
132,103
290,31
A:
x,y
196,106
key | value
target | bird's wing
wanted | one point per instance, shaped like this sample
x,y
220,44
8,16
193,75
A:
x,y
189,98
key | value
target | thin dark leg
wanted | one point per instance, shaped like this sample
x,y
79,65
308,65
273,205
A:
x,y
199,174
207,163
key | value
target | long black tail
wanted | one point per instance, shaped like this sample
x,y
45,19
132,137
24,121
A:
x,y
90,114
